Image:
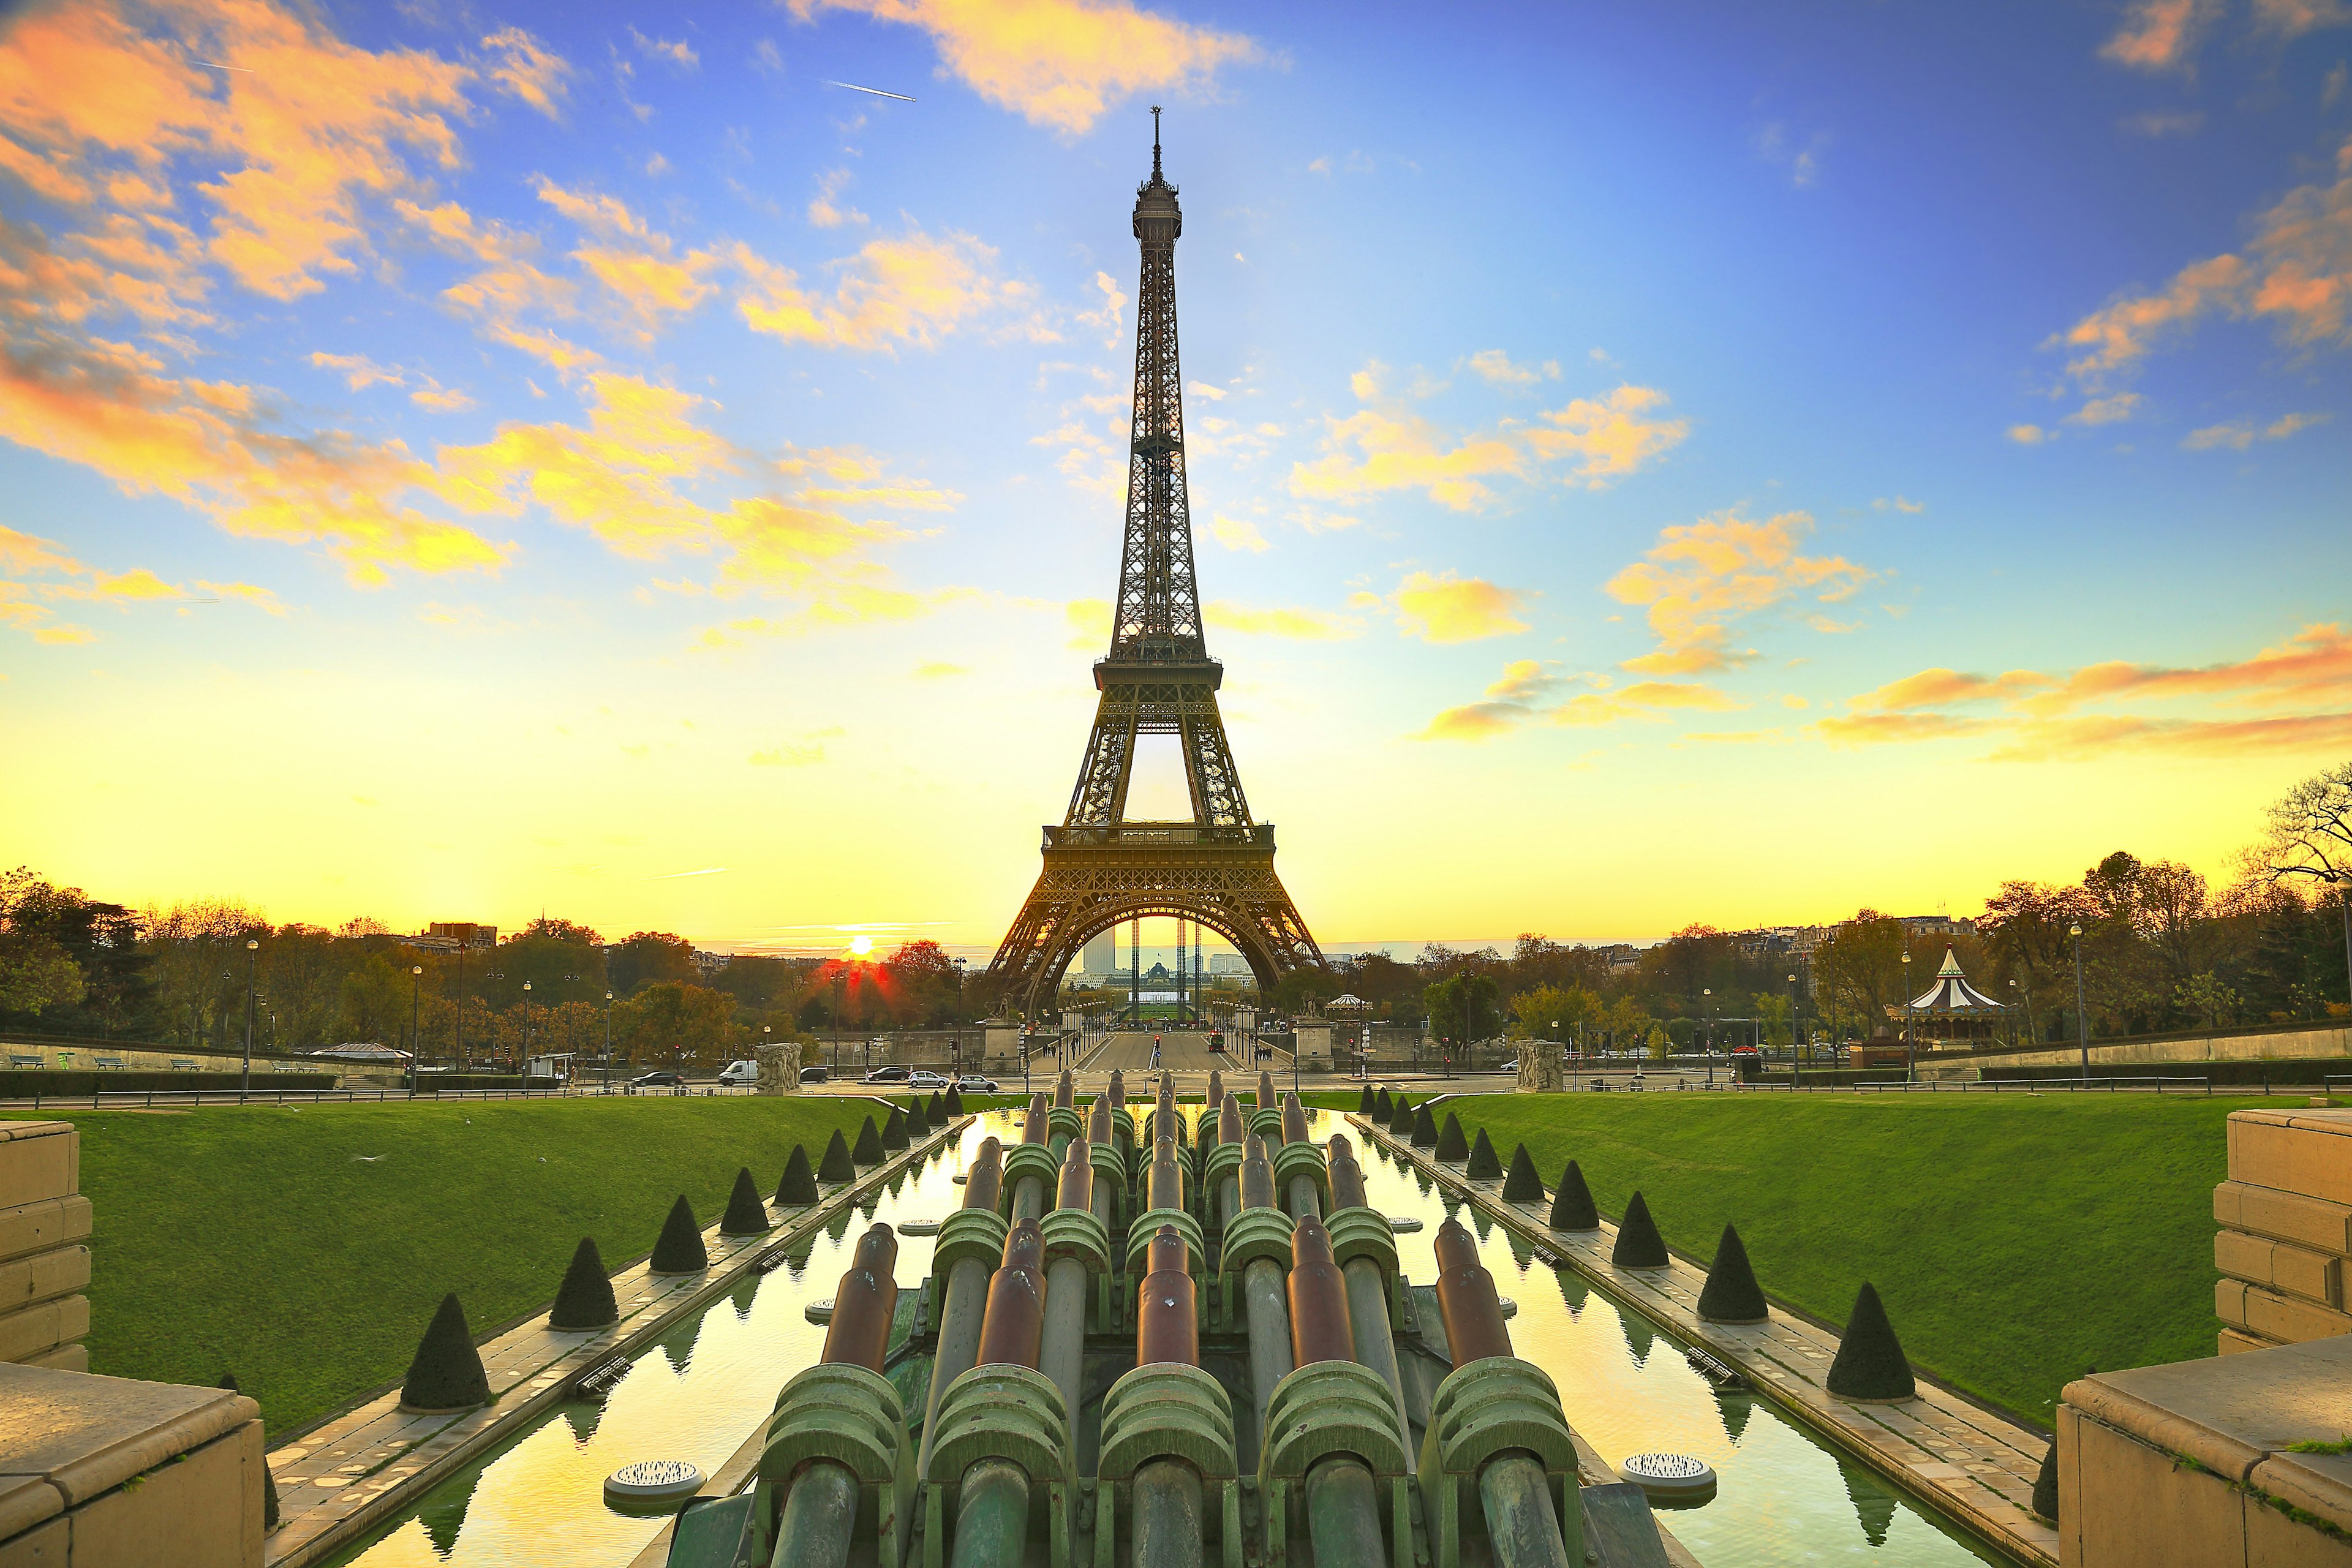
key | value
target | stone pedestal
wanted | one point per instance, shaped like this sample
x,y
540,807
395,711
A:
x,y
1541,1071
2286,1228
780,1067
2127,1499
44,1255
104,1472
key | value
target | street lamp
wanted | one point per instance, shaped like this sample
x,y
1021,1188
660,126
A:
x,y
530,1036
1708,992
608,1042
1910,1057
416,1034
2082,1017
2013,1010
1796,1073
252,957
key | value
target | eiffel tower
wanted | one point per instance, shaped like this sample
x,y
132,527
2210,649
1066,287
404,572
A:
x,y
1101,869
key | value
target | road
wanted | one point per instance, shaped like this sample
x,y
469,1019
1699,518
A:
x,y
1132,1051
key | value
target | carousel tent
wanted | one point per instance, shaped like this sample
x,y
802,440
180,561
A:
x,y
1951,1011
1952,993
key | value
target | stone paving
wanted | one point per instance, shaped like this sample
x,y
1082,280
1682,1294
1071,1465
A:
x,y
1959,1457
337,1478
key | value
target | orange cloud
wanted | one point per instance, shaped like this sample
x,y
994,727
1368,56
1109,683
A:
x,y
2040,717
2240,434
1531,691
2295,273
520,65
2158,35
24,557
1702,577
911,290
1389,447
1058,63
1444,609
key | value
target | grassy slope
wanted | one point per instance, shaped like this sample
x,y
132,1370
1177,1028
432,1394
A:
x,y
2019,1242
256,1241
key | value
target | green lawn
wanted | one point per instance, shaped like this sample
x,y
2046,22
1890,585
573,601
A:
x,y
2019,1241
264,1242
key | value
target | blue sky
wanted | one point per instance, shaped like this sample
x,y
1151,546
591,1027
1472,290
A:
x,y
1652,463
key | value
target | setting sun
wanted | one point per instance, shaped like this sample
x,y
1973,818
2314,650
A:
x,y
861,946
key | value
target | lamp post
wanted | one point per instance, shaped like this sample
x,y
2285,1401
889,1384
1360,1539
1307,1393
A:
x,y
767,1039
2082,1017
530,1036
1796,1073
252,957
1708,992
840,978
2013,1010
415,1033
1910,1059
955,1040
461,1003
608,1042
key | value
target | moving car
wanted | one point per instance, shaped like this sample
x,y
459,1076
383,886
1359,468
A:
x,y
886,1075
658,1080
972,1083
739,1075
815,1075
926,1078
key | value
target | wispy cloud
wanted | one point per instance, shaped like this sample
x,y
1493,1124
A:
x,y
1535,691
1444,608
1702,579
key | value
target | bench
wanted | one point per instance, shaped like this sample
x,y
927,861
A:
x,y
183,1064
15,1060
109,1061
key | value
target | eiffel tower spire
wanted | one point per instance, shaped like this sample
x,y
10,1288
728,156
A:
x,y
1157,678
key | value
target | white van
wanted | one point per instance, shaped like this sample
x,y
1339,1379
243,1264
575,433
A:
x,y
739,1075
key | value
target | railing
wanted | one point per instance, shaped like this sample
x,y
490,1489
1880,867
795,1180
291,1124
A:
x,y
100,1100
1156,834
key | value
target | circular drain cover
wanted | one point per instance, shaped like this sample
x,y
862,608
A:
x,y
1404,1224
819,1311
652,1485
1671,1478
919,1227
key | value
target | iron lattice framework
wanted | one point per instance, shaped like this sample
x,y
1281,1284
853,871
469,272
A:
x,y
1157,678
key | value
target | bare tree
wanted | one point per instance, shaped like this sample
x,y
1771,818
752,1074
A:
x,y
2311,837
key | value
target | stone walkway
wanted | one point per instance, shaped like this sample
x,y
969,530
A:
x,y
1963,1460
337,1480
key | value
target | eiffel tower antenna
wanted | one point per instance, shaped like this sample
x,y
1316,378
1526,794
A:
x,y
1216,869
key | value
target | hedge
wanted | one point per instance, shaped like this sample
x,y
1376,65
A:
x,y
56,1083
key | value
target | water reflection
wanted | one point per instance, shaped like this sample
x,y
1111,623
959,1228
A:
x,y
1785,1500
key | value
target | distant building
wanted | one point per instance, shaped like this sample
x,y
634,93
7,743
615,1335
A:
x,y
710,964
452,936
1100,956
1620,956
1228,963
1938,925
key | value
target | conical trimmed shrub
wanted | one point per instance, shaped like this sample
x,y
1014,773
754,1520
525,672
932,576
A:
x,y
1364,1105
1424,1126
1870,1364
680,1249
869,1148
917,1124
836,1165
1571,1202
1486,1165
447,1372
2046,1485
1452,1146
797,1187
893,1131
1401,1118
955,1101
584,1299
1639,1245
1382,1110
1522,1186
1732,1295
746,1214
268,1481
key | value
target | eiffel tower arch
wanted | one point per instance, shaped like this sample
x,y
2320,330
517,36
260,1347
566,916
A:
x,y
1101,869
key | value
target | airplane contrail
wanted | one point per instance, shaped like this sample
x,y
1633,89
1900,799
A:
x,y
876,92
706,871
247,69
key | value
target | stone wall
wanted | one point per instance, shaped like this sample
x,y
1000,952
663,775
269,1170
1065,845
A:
x,y
2283,1045
43,1246
2286,1228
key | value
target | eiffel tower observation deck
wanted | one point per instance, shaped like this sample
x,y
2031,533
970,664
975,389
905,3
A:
x,y
1101,869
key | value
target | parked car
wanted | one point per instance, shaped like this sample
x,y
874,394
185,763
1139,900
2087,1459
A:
x,y
658,1080
886,1075
926,1078
972,1083
815,1075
